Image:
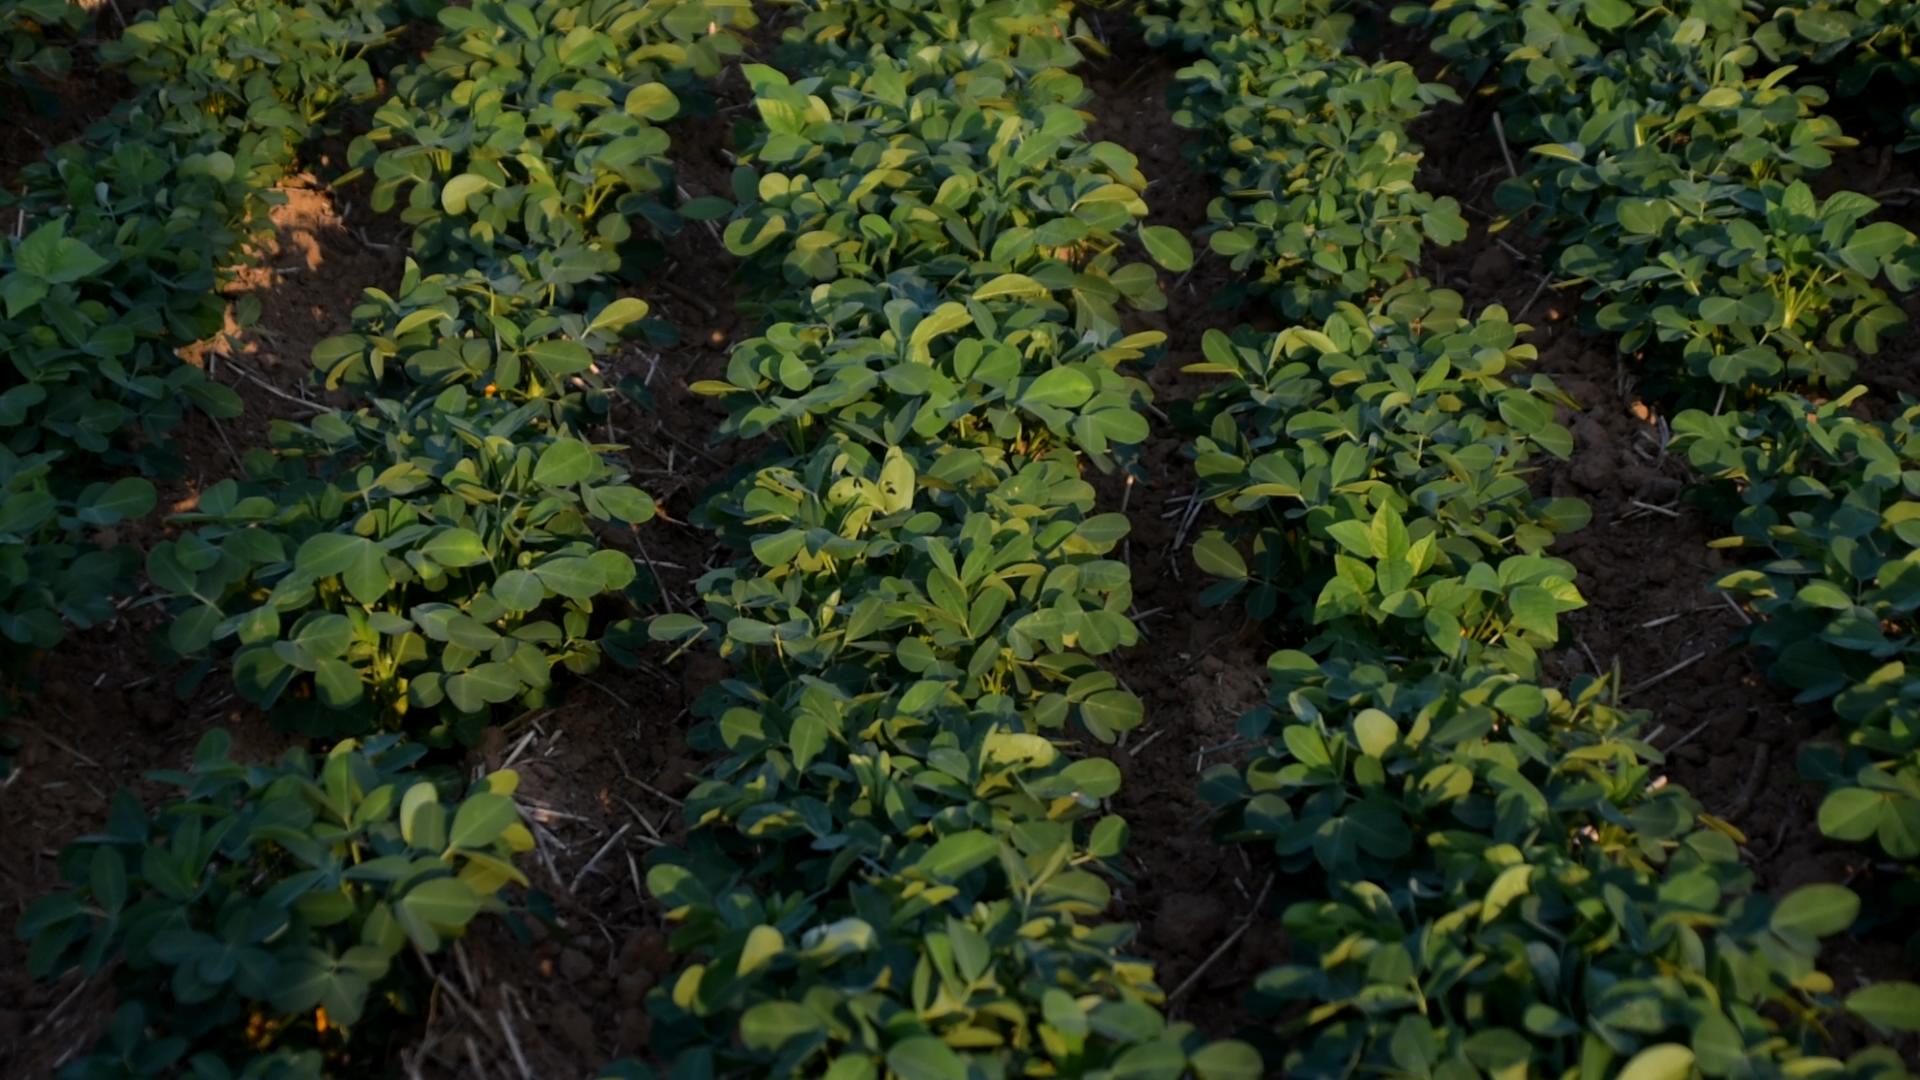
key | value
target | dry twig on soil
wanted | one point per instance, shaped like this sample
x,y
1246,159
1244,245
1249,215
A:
x,y
1650,683
1221,950
591,863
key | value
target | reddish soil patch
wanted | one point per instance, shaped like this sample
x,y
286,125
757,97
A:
x,y
306,278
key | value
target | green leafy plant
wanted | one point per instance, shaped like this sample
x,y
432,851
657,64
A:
x,y
1624,142
1318,201
942,172
1196,24
1002,588
399,567
1826,498
1754,287
260,908
1033,34
1873,780
529,134
1376,470
88,332
252,70
32,33
496,339
1505,820
1547,49
890,865
968,932
884,370
45,586
1866,46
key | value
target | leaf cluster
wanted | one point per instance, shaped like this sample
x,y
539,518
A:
x,y
33,40
1034,35
529,136
260,914
49,577
1542,54
1375,476
1546,49
393,568
1829,501
1493,842
256,72
494,337
1864,47
953,167
1316,170
1192,25
1686,216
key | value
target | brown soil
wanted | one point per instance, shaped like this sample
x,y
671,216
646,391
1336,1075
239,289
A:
x,y
1196,668
603,771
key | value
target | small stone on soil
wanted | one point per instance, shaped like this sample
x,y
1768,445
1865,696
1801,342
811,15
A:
x,y
1492,268
644,952
635,1028
1593,461
575,966
1188,922
573,1023
633,988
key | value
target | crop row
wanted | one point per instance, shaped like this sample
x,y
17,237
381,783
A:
x,y
114,263
894,865
436,552
390,573
1672,172
1505,884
